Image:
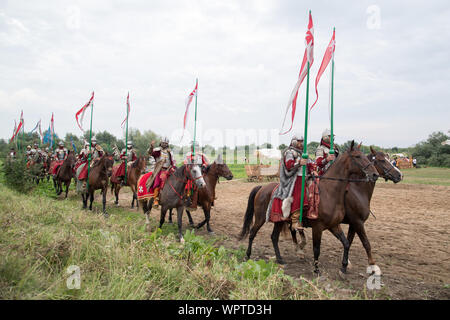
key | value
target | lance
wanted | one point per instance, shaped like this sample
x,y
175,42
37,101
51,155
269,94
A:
x,y
126,142
331,104
90,147
195,121
305,144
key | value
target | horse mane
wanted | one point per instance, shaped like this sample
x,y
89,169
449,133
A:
x,y
179,171
135,163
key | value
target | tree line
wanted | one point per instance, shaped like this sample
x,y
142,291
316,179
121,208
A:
x,y
430,152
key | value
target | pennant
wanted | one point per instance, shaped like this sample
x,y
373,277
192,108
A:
x,y
14,131
52,131
80,114
308,56
128,110
36,127
19,127
40,132
188,101
327,57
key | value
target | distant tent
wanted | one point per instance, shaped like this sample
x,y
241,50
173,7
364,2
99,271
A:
x,y
446,142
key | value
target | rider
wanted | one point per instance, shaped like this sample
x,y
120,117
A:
x,y
287,197
28,154
60,155
82,160
323,156
37,153
131,156
203,162
97,151
164,160
12,154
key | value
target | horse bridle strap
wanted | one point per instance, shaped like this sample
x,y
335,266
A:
x,y
363,169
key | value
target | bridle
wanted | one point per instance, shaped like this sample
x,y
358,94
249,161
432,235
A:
x,y
363,169
187,175
386,172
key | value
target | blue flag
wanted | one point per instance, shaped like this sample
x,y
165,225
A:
x,y
73,145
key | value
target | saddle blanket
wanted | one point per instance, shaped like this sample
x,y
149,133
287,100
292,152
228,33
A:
x,y
311,211
119,169
142,192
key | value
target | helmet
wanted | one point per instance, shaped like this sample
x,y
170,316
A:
x,y
28,147
326,133
295,138
36,145
94,140
130,143
46,149
61,144
165,140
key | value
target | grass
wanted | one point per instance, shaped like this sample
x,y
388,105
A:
x,y
429,175
40,237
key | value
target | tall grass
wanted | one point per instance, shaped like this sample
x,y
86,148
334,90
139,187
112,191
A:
x,y
41,237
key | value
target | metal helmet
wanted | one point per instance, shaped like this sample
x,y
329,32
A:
x,y
94,140
28,147
164,140
46,149
130,144
61,144
36,145
296,138
326,133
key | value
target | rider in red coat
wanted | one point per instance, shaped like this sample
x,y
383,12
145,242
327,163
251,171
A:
x,y
130,155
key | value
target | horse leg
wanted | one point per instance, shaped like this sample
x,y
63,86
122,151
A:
x,y
163,217
207,217
67,188
253,231
91,198
298,247
350,237
116,193
275,237
317,238
191,222
104,192
338,233
83,196
180,223
170,217
360,230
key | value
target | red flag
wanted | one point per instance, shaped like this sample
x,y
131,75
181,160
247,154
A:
x,y
82,110
188,102
329,54
308,56
52,129
128,109
19,127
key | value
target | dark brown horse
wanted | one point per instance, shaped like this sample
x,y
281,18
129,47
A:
x,y
357,202
172,194
65,173
206,195
332,188
98,179
135,170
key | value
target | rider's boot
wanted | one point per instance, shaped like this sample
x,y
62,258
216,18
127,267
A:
x,y
296,224
156,198
193,206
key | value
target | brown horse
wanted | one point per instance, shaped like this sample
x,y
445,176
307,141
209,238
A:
x,y
98,179
357,202
332,190
135,170
65,174
206,195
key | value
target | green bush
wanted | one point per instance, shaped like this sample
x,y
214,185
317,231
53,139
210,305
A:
x,y
17,176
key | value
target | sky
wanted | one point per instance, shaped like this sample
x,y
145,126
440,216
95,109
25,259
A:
x,y
391,78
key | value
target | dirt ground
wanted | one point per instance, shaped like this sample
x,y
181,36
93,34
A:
x,y
409,237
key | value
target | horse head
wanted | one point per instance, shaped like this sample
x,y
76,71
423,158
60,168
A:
x,y
195,174
108,162
140,164
358,163
384,166
222,168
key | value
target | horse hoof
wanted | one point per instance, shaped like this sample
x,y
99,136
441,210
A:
x,y
281,261
349,266
211,233
342,274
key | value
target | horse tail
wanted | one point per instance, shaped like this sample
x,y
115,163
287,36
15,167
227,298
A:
x,y
248,218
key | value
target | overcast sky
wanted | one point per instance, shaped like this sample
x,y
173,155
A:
x,y
391,79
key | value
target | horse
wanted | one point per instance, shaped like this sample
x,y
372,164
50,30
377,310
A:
x,y
332,188
98,179
134,172
172,194
65,174
206,195
357,202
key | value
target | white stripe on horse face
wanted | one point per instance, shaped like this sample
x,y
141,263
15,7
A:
x,y
401,174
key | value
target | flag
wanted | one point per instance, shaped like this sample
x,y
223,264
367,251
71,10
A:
x,y
40,131
128,109
80,113
188,101
18,127
22,121
52,132
36,127
327,57
307,57
14,131
73,144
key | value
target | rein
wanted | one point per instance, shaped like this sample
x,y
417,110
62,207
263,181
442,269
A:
x,y
187,176
363,169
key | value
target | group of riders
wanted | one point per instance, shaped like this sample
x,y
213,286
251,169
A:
x,y
160,160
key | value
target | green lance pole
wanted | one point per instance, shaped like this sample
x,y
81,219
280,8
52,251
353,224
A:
x,y
305,144
126,144
331,102
195,122
90,147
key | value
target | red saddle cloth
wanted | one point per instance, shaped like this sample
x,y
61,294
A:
x,y
142,192
310,204
55,165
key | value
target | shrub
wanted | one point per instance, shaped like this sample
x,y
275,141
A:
x,y
17,176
